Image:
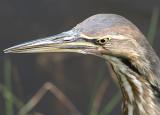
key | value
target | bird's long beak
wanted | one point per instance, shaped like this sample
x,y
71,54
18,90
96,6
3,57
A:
x,y
68,41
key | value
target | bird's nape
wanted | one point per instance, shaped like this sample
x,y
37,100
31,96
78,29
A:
x,y
120,42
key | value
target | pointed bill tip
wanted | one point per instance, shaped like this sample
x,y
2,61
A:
x,y
7,50
13,49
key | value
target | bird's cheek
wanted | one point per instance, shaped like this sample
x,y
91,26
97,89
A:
x,y
102,50
96,51
106,51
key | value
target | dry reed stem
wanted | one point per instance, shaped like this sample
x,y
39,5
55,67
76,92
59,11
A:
x,y
41,92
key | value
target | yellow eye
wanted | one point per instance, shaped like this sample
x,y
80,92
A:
x,y
103,40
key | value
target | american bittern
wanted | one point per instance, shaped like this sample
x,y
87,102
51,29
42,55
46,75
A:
x,y
119,42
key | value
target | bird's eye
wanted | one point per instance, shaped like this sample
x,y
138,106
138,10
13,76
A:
x,y
103,40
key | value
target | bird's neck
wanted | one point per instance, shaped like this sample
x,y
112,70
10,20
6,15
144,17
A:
x,y
138,94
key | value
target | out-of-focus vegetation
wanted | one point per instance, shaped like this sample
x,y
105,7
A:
x,y
98,90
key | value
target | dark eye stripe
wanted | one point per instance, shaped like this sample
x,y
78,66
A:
x,y
89,40
96,41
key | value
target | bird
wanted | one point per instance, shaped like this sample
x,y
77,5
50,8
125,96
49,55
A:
x,y
121,44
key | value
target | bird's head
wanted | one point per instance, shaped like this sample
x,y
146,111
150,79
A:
x,y
101,35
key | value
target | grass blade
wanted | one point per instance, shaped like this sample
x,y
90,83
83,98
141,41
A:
x,y
153,24
100,78
8,85
110,106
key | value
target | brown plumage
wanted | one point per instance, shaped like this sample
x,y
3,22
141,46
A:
x,y
119,42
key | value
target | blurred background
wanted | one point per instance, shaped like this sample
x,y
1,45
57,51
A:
x,y
62,83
